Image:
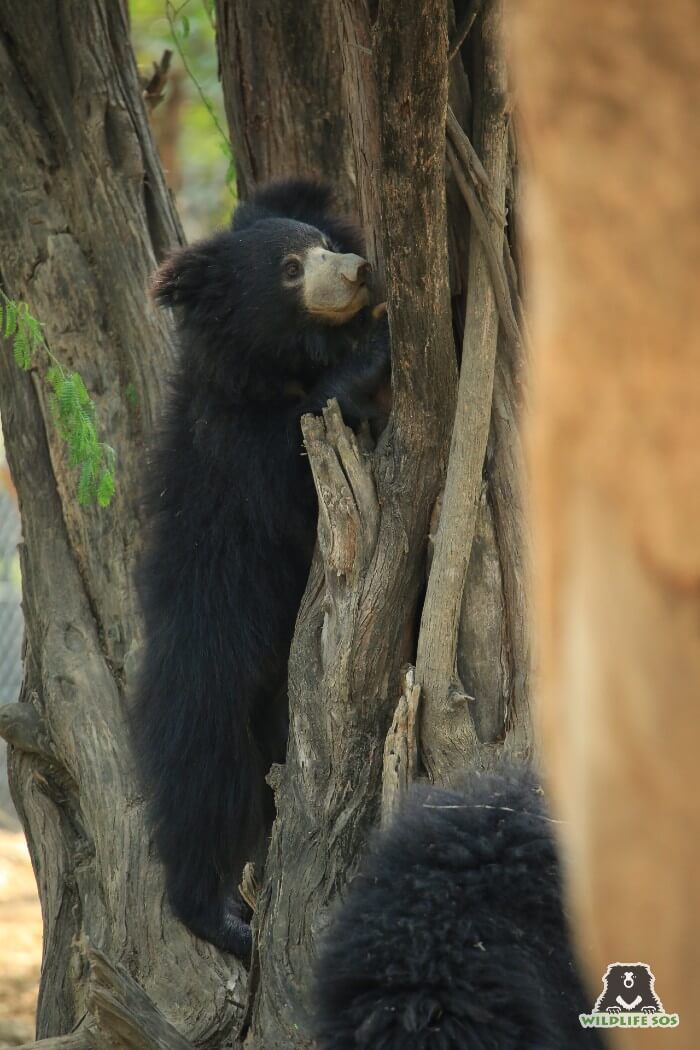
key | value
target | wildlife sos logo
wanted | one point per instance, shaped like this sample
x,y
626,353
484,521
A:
x,y
628,1000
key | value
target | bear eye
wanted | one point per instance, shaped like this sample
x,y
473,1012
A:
x,y
292,268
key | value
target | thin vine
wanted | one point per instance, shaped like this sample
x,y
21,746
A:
x,y
71,406
179,24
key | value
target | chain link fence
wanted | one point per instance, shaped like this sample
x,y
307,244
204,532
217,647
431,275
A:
x,y
11,627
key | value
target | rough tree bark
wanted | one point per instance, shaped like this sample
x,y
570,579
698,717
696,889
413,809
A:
x,y
84,216
354,627
481,629
282,79
470,506
343,681
362,100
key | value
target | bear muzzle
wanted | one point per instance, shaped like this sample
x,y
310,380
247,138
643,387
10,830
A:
x,y
335,285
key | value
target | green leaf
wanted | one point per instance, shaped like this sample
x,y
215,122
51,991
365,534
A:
x,y
54,376
67,398
82,440
10,318
105,489
86,484
81,390
21,349
55,409
185,27
69,403
34,329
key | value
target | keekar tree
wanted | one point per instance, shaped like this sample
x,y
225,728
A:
x,y
405,107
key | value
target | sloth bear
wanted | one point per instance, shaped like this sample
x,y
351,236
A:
x,y
273,319
453,935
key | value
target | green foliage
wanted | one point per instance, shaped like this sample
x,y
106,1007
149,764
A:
x,y
203,187
179,23
71,406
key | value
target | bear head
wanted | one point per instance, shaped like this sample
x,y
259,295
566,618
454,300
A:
x,y
266,283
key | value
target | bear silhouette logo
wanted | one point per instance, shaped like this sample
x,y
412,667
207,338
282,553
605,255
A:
x,y
628,988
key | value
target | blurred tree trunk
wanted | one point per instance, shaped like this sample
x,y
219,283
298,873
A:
x,y
359,96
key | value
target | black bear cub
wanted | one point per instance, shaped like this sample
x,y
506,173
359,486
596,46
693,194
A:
x,y
273,319
453,936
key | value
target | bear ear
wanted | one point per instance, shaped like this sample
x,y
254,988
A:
x,y
189,273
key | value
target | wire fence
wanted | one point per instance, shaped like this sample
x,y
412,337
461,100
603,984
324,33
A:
x,y
10,609
11,627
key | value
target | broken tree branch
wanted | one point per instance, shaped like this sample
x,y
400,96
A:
x,y
125,1016
81,1039
154,86
401,748
22,726
487,231
120,1014
464,28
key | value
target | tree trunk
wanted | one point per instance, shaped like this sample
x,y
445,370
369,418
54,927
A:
x,y
356,626
282,80
482,627
84,216
363,101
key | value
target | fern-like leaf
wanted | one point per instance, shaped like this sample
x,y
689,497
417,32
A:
x,y
105,489
69,404
10,318
86,484
21,349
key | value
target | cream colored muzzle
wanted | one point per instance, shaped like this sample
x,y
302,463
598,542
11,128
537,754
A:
x,y
335,285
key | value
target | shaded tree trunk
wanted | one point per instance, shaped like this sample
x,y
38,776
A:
x,y
282,79
362,100
355,627
357,623
84,216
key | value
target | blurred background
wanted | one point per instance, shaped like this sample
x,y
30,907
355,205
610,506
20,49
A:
x,y
188,120
186,111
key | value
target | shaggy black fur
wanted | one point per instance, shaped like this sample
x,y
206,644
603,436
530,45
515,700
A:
x,y
232,513
453,936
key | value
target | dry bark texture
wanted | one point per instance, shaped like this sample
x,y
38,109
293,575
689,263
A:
x,y
611,105
282,80
449,730
355,622
84,217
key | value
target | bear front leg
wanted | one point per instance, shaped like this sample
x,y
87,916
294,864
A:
x,y
355,382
